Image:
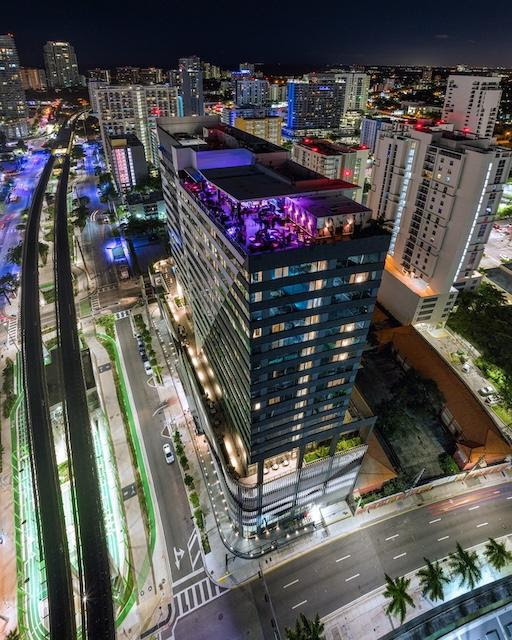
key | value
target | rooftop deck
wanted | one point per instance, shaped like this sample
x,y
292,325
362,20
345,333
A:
x,y
281,220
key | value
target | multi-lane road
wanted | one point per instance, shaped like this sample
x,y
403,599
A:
x,y
339,572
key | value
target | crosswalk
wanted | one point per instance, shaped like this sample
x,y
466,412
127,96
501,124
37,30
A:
x,y
196,596
119,315
95,303
12,330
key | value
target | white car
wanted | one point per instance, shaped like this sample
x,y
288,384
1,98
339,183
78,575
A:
x,y
486,391
493,399
169,455
148,368
466,367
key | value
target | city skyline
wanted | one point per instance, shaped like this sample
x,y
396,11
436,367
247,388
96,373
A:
x,y
379,36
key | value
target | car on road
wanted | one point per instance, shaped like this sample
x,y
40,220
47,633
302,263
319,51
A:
x,y
466,367
493,399
148,368
486,391
169,455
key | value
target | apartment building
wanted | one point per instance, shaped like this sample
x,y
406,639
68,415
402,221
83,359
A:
x,y
268,127
335,161
439,192
13,109
471,104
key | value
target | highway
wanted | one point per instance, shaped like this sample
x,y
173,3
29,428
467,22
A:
x,y
97,593
48,500
338,572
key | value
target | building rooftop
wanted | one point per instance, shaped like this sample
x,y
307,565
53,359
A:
x,y
328,148
256,182
261,212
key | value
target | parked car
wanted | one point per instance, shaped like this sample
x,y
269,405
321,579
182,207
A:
x,y
466,367
169,455
486,391
493,399
148,368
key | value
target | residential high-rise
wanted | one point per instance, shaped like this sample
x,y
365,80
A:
x,y
128,161
13,110
372,126
268,127
280,270
471,104
127,75
99,75
314,107
251,91
230,114
354,87
211,71
61,65
439,192
122,110
33,79
191,86
151,75
335,161
278,92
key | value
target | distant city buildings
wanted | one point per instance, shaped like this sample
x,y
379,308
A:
x,y
191,86
439,192
127,75
13,110
372,126
314,107
280,270
127,160
133,109
278,92
251,91
100,75
268,127
33,79
471,104
230,114
151,75
61,65
335,161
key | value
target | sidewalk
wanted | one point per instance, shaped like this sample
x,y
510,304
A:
x,y
8,610
366,616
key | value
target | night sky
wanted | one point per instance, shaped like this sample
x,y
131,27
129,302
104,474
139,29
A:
x,y
304,32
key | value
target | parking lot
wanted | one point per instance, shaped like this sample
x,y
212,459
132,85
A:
x,y
499,246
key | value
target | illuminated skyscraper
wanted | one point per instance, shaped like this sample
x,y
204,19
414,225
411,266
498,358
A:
x,y
191,86
61,65
13,110
280,270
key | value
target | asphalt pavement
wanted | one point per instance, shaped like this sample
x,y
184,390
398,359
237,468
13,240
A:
x,y
340,571
170,492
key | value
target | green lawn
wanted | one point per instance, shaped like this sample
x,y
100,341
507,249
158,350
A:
x,y
502,413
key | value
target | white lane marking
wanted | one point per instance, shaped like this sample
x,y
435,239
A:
x,y
497,491
400,555
290,584
391,537
344,558
299,604
473,508
352,577
443,538
482,524
436,520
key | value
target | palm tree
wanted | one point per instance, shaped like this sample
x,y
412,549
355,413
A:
x,y
497,554
306,629
432,580
465,564
396,592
